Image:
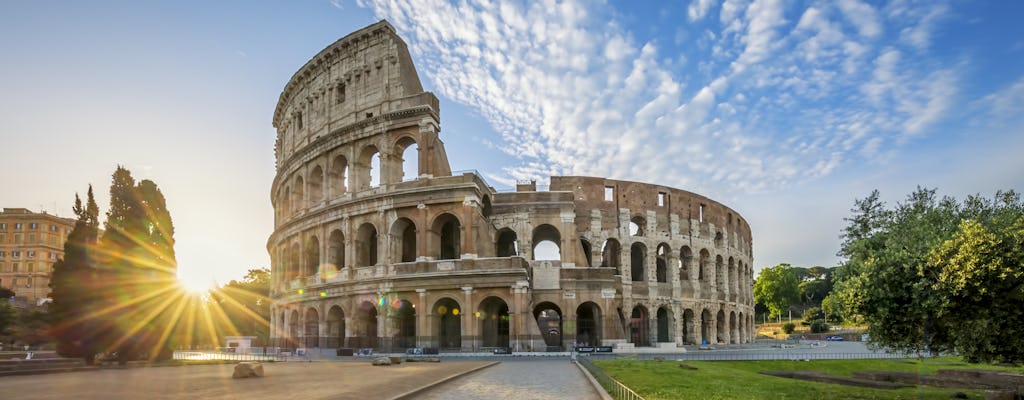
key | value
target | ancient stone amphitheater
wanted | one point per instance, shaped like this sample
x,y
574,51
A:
x,y
378,244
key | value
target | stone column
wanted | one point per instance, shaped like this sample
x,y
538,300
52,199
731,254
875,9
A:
x,y
422,319
468,320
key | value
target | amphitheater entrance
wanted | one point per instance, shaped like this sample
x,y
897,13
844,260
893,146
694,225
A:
x,y
493,316
549,320
335,328
638,327
404,319
689,336
723,329
588,328
365,327
705,327
293,330
664,325
449,324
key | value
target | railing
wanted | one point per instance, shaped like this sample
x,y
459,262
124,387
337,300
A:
x,y
615,388
780,355
193,355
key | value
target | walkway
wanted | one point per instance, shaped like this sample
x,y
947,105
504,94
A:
x,y
518,379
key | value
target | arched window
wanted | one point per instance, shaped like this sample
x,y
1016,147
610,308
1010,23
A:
x,y
637,259
507,244
403,236
367,165
336,249
661,261
298,199
338,175
312,256
637,225
610,253
587,257
685,263
366,245
705,265
447,232
316,185
409,153
547,243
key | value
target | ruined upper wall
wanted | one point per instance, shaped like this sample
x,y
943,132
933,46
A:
x,y
364,75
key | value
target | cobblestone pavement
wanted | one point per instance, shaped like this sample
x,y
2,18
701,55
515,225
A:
x,y
519,379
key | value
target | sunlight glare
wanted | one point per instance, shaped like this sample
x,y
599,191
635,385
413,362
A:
x,y
196,284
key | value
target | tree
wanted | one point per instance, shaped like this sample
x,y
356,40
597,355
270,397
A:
x,y
776,288
7,315
74,287
246,304
908,268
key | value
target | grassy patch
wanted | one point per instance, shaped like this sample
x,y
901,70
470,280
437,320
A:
x,y
741,380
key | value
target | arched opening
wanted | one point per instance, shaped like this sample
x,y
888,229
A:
x,y
366,245
448,232
685,263
337,175
404,324
298,198
336,250
661,263
409,151
285,203
637,259
719,241
664,325
588,328
507,244
366,326
312,256
741,328
312,329
637,225
638,325
493,318
403,236
485,206
335,327
449,323
366,173
722,330
549,320
720,277
610,254
705,327
689,335
733,328
316,185
294,336
705,265
295,266
587,257
375,171
732,279
547,243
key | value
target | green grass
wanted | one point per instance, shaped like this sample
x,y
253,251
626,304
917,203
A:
x,y
741,380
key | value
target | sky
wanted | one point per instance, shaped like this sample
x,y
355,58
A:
x,y
786,111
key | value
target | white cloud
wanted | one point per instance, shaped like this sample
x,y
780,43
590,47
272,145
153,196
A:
x,y
863,16
699,8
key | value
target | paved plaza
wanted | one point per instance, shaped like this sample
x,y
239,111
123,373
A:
x,y
539,379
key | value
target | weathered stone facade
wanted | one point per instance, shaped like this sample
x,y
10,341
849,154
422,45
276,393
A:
x,y
368,256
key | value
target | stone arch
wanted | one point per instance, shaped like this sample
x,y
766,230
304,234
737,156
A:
x,y
741,328
689,332
719,240
549,319
731,275
685,263
705,327
588,324
283,203
664,323
547,240
446,232
723,329
587,249
294,265
407,164
336,250
638,326
661,263
720,276
507,245
403,240
494,322
365,329
316,185
733,328
312,255
311,330
298,198
337,175
485,206
448,317
366,245
637,226
610,254
294,336
705,265
403,319
335,327
363,176
637,262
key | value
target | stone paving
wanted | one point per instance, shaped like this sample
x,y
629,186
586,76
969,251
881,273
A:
x,y
540,379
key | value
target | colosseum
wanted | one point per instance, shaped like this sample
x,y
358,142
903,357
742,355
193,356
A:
x,y
378,244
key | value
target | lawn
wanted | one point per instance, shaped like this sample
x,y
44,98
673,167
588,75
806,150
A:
x,y
741,380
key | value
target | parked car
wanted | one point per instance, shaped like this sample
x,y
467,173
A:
x,y
834,338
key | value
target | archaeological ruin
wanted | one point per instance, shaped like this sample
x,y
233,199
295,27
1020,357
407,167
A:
x,y
378,244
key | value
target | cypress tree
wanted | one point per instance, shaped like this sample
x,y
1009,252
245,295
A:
x,y
74,287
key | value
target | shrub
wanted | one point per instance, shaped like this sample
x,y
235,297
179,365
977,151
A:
x,y
819,326
788,328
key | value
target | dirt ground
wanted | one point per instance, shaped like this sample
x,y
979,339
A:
x,y
291,380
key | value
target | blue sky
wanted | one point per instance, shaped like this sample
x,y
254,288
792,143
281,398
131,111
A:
x,y
784,110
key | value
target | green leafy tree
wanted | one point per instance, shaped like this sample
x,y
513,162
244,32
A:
x,y
7,314
74,287
246,304
776,288
896,283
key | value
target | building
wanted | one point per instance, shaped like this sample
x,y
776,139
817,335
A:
x,y
30,243
368,254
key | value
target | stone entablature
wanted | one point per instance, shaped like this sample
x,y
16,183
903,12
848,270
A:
x,y
426,259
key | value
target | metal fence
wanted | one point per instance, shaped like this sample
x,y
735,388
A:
x,y
189,355
615,388
781,355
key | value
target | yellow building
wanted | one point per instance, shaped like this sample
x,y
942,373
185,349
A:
x,y
30,243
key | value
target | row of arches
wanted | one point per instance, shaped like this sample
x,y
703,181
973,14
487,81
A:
x,y
330,177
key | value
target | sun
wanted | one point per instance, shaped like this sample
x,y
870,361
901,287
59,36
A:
x,y
196,283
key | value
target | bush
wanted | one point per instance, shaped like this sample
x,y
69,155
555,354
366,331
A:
x,y
788,328
819,326
813,314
